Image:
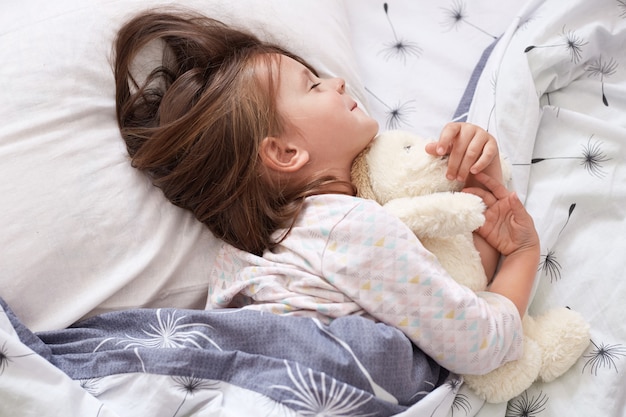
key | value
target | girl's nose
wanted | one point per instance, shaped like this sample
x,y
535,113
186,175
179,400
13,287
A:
x,y
341,85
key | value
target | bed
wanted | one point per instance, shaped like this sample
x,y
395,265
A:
x,y
103,282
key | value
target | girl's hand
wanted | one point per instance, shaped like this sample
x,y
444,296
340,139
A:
x,y
470,150
508,227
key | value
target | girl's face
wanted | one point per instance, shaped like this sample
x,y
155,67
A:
x,y
324,119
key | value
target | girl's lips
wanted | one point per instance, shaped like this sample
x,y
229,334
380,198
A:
x,y
354,106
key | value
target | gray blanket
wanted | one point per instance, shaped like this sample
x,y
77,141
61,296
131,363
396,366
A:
x,y
351,367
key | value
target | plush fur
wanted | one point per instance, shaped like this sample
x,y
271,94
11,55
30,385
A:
x,y
396,171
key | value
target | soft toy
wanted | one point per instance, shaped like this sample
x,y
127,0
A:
x,y
396,171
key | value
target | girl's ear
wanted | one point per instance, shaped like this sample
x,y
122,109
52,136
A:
x,y
281,156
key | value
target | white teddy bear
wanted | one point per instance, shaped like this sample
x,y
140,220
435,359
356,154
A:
x,y
396,171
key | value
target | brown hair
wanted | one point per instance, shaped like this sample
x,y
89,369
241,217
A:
x,y
195,123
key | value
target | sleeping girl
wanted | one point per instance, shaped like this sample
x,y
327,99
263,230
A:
x,y
248,137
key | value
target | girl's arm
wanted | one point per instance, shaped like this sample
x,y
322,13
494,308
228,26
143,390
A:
x,y
377,262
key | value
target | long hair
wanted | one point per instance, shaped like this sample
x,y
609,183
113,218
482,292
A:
x,y
195,122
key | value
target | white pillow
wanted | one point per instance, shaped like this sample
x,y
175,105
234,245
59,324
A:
x,y
81,231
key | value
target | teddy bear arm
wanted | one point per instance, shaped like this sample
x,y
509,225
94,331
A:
x,y
439,214
563,336
553,342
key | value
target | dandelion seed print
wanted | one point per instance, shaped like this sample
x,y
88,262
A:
x,y
592,158
92,386
525,406
570,41
322,396
602,69
167,333
456,15
191,385
399,47
453,386
461,403
571,209
6,359
550,266
603,356
396,116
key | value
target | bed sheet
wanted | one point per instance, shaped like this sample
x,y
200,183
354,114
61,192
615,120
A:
x,y
552,89
416,58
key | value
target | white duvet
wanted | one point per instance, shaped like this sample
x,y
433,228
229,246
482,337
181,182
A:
x,y
553,92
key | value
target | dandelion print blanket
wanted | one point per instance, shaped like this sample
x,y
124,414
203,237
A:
x,y
167,362
548,79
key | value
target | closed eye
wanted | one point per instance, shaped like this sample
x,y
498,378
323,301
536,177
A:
x,y
315,85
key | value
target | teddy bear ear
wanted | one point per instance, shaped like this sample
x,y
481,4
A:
x,y
360,176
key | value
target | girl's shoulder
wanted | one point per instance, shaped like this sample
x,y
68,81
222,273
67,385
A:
x,y
336,207
338,202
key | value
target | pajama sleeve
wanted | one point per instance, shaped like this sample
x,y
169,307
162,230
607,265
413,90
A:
x,y
374,259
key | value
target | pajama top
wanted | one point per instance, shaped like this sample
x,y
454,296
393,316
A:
x,y
347,255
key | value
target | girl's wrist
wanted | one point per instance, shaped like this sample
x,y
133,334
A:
x,y
531,251
516,276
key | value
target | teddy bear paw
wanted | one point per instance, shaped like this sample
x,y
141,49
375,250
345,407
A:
x,y
563,336
470,208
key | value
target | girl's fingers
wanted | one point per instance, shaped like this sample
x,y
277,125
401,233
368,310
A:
x,y
473,154
449,132
447,137
470,149
493,185
456,143
431,148
517,208
488,152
